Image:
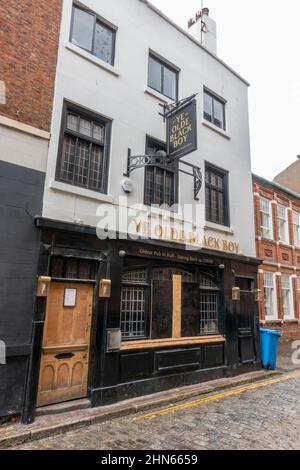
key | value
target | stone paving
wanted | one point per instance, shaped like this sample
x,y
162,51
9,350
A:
x,y
266,418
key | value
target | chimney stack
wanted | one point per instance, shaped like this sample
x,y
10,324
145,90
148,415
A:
x,y
204,29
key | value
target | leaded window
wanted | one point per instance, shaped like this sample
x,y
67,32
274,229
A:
x,y
160,183
93,35
73,268
217,210
84,151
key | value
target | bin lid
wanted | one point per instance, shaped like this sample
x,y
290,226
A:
x,y
270,332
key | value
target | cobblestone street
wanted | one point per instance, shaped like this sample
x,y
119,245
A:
x,y
265,417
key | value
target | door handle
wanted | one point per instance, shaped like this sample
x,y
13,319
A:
x,y
64,356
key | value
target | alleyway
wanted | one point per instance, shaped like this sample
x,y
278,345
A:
x,y
251,417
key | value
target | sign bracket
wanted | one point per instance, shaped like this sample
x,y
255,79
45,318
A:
x,y
162,160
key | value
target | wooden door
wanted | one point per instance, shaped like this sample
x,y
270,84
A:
x,y
66,343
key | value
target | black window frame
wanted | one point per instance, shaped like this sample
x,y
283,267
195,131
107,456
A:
x,y
104,23
96,118
164,64
220,101
226,208
173,170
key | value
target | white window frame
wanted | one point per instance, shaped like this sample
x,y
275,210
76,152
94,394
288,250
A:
x,y
285,220
298,291
269,215
296,228
273,287
291,315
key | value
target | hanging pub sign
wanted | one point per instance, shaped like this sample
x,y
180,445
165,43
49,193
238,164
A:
x,y
182,131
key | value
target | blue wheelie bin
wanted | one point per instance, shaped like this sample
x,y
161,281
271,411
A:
x,y
269,340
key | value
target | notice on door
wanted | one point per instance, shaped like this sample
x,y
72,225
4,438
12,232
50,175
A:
x,y
70,298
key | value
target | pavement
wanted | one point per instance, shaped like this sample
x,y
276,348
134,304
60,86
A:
x,y
250,403
258,416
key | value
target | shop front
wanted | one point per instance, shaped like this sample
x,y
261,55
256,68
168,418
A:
x,y
117,319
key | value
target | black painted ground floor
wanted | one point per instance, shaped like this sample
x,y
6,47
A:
x,y
117,319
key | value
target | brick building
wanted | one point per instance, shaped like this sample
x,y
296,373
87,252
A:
x,y
277,226
29,33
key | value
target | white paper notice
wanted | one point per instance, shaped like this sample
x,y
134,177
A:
x,y
70,297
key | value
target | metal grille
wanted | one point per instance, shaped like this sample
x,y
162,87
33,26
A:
x,y
208,312
133,312
83,158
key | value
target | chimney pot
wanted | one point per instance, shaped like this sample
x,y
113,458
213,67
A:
x,y
198,15
205,12
191,22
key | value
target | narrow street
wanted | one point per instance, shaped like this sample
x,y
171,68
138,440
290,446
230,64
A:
x,y
258,416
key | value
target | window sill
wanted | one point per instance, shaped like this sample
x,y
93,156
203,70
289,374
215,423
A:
x,y
160,343
270,320
86,55
81,192
218,228
157,95
284,244
216,129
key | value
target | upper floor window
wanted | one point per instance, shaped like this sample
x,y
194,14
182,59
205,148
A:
x,y
163,77
214,110
160,183
216,195
266,223
282,224
84,150
296,228
93,35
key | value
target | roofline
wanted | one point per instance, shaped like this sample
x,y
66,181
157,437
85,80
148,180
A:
x,y
191,38
276,185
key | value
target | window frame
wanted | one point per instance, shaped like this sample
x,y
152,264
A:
x,y
225,174
89,115
220,100
103,22
270,215
175,171
290,297
286,220
164,64
296,228
274,297
146,286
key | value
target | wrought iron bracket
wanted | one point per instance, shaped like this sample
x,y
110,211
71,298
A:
x,y
135,162
169,109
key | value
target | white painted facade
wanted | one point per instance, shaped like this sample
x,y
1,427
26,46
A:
x,y
120,93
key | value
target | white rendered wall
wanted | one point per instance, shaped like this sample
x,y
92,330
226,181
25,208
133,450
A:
x,y
121,97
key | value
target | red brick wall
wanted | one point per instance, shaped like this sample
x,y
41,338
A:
x,y
29,35
281,258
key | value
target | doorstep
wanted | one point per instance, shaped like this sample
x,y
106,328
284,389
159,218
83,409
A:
x,y
54,424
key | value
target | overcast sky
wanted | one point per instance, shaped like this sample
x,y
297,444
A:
x,y
260,39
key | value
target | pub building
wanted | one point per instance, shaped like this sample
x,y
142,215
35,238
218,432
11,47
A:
x,y
166,124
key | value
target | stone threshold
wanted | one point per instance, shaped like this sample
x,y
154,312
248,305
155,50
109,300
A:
x,y
54,424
